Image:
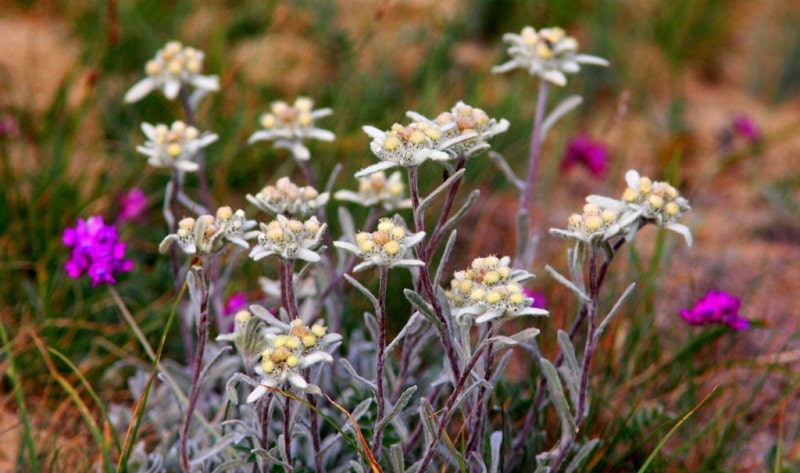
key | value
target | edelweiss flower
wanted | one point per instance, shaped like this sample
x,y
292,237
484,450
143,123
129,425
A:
x,y
290,125
549,54
296,348
490,289
651,202
386,246
207,234
173,67
285,197
596,224
289,239
174,146
376,189
406,146
465,129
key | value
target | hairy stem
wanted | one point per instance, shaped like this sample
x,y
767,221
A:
x,y
447,412
287,431
315,436
263,420
536,145
425,279
381,358
288,296
436,234
197,365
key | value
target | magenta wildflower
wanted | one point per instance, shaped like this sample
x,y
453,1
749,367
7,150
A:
x,y
132,206
8,126
716,307
96,251
236,302
539,301
588,152
745,127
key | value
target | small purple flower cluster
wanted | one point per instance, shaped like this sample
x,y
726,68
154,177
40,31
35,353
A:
x,y
96,251
132,206
716,307
586,151
747,128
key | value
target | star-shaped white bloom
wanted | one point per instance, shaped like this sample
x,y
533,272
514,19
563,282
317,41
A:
x,y
173,67
489,290
386,246
549,54
377,189
285,197
465,129
292,348
174,146
289,239
290,125
208,234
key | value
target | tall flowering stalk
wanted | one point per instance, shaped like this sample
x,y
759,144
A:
x,y
599,231
203,237
548,54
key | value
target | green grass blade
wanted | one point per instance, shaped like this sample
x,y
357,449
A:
x,y
19,395
673,430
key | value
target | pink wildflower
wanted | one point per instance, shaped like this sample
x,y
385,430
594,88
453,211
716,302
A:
x,y
96,251
591,154
716,307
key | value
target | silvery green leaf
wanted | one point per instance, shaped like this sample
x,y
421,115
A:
x,y
601,328
566,106
456,217
448,248
210,364
248,429
572,374
363,290
268,456
352,372
513,340
230,386
568,427
500,367
428,418
480,383
358,412
580,457
356,467
501,164
346,224
210,451
495,442
371,323
230,465
396,458
423,307
584,298
332,177
424,203
398,407
413,320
